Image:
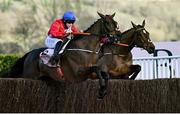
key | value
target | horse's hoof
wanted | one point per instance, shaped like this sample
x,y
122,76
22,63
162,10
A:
x,y
100,98
102,94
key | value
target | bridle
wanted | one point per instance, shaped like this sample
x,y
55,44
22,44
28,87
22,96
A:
x,y
134,37
105,30
144,44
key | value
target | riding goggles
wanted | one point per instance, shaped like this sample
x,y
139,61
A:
x,y
70,21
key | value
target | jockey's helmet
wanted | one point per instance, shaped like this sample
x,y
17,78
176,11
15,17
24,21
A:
x,y
69,17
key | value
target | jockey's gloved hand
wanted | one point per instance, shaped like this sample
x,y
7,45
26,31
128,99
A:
x,y
68,31
69,34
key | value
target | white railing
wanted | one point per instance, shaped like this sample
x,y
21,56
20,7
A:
x,y
158,67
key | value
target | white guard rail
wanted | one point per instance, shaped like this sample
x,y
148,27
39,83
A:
x,y
158,67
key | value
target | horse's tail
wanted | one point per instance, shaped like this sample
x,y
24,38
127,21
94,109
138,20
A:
x,y
16,70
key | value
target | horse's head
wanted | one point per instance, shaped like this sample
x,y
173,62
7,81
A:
x,y
108,24
104,26
142,38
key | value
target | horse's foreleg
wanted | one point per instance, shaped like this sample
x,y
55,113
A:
x,y
102,82
105,76
136,69
125,72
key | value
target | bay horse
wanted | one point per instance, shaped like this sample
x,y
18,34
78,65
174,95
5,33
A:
x,y
119,64
76,64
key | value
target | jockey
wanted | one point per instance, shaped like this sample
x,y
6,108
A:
x,y
60,33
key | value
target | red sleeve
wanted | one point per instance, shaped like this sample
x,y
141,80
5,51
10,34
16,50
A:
x,y
56,30
74,28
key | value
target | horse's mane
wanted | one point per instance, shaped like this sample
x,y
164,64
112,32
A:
x,y
92,25
130,29
127,31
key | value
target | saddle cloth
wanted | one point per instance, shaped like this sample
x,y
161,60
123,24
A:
x,y
45,57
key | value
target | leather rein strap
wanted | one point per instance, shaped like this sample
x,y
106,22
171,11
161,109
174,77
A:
x,y
88,34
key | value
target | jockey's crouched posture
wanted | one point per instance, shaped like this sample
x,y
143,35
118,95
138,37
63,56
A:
x,y
60,33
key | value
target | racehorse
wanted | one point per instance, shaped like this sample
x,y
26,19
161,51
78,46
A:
x,y
76,64
119,64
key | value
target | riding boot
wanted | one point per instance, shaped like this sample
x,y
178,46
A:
x,y
62,45
54,57
59,45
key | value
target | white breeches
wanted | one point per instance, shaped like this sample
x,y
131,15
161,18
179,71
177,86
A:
x,y
51,42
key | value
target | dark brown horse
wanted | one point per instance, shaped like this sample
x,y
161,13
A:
x,y
119,64
77,63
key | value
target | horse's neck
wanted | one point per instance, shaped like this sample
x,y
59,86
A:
x,y
120,50
95,28
126,38
88,42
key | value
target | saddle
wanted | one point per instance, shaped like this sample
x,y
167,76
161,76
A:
x,y
45,57
47,54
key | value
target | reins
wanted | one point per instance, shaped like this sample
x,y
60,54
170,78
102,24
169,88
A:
x,y
126,45
89,34
90,51
94,52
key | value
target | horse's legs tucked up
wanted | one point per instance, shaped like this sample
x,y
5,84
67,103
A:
x,y
136,69
105,76
103,81
131,72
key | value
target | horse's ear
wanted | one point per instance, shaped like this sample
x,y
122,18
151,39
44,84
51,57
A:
x,y
134,26
113,14
143,23
101,15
